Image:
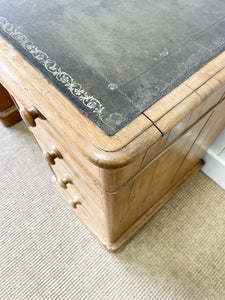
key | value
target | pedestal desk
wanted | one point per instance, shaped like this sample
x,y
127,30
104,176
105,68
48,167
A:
x,y
123,98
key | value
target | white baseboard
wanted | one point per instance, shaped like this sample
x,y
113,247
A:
x,y
215,161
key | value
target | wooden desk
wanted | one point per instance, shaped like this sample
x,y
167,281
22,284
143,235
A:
x,y
123,106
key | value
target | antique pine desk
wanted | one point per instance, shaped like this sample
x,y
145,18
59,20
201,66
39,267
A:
x,y
123,98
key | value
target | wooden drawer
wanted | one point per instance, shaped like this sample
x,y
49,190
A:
x,y
48,140
71,180
82,204
114,216
111,180
48,137
32,112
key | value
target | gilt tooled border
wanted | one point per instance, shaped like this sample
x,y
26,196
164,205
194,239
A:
x,y
50,65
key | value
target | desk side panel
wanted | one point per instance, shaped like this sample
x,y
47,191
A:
x,y
163,173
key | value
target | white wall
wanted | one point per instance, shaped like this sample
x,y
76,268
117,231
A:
x,y
215,161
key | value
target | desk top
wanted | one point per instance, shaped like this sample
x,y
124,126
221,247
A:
x,y
114,59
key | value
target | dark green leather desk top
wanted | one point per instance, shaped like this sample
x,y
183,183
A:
x,y
114,59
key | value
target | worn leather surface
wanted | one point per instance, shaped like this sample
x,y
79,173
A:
x,y
114,59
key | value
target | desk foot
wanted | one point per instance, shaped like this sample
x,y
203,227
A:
x,y
9,114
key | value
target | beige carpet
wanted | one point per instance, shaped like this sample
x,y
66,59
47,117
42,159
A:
x,y
47,253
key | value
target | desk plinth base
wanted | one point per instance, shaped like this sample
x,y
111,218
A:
x,y
9,115
128,234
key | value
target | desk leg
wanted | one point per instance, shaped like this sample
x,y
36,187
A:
x,y
9,114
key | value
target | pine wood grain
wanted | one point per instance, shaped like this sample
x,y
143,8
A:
x,y
115,183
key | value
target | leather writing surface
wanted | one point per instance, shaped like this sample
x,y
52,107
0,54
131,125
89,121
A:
x,y
114,59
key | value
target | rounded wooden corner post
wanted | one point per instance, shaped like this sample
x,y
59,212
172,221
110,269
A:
x,y
9,115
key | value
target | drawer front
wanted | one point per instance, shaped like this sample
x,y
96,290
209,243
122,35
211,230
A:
x,y
112,180
109,215
70,178
54,145
75,186
83,206
64,160
32,116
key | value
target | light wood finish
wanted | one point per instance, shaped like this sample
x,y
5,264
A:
x,y
111,214
63,182
48,139
210,131
114,178
158,176
29,86
85,208
122,208
135,227
29,115
115,184
52,155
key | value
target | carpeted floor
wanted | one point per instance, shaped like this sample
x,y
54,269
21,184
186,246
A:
x,y
47,253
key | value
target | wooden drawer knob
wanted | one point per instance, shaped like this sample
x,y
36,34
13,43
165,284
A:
x,y
63,182
51,156
75,202
29,115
